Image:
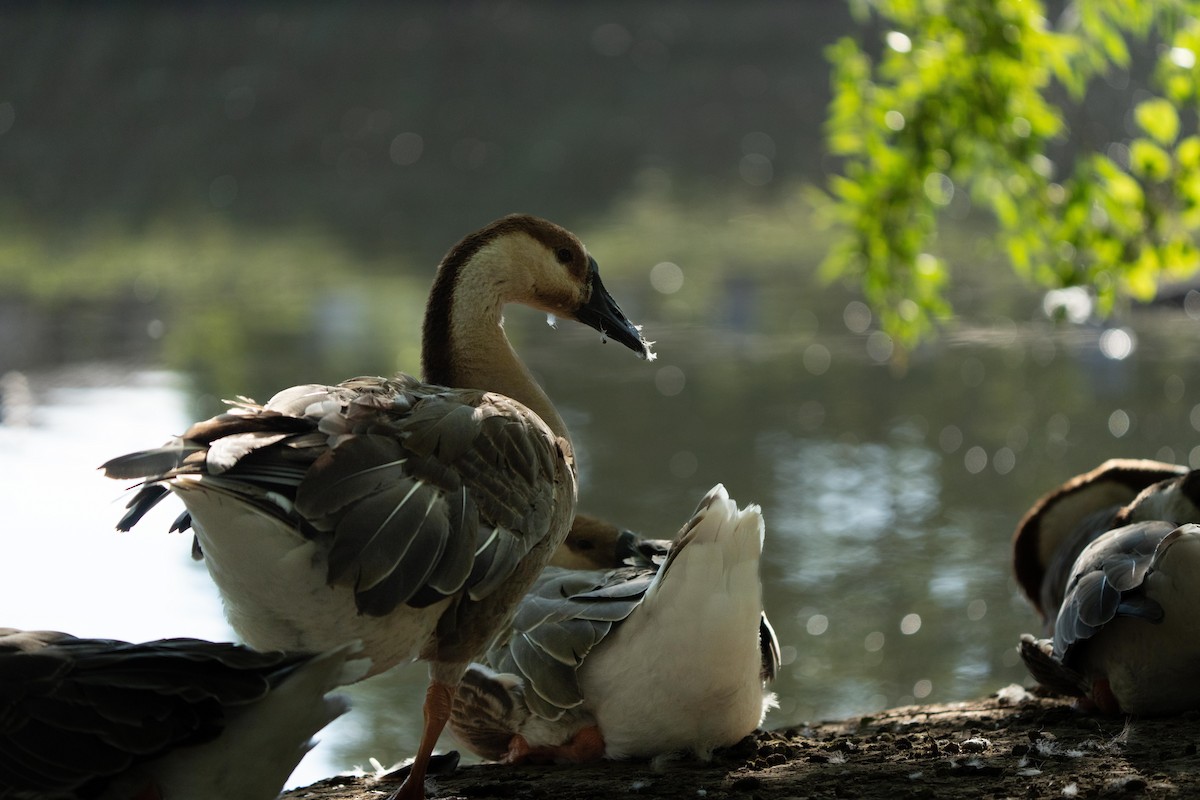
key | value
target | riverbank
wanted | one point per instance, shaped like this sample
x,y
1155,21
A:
x,y
1012,744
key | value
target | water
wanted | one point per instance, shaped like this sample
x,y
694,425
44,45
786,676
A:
x,y
890,494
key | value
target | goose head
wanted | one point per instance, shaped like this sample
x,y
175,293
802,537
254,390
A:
x,y
1174,499
595,543
516,259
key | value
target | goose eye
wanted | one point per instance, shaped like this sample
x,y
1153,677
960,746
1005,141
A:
x,y
563,254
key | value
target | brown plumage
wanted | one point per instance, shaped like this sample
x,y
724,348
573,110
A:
x,y
409,514
1063,521
1117,555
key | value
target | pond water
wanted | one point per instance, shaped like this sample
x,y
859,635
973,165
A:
x,y
890,494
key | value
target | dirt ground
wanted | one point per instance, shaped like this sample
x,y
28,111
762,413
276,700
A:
x,y
1012,744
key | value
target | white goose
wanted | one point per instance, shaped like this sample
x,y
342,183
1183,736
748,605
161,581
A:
x,y
410,515
179,719
641,661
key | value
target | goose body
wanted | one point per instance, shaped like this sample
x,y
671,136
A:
x,y
177,719
1062,522
409,514
639,661
1111,560
1125,637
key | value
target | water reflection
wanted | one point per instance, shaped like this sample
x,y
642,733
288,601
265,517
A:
x,y
889,496
66,567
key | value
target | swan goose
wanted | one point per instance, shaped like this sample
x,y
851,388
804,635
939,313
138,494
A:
x,y
595,543
410,515
179,719
1122,632
1053,532
641,661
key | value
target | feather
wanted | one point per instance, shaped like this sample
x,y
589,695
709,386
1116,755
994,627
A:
x,y
458,556
147,497
549,682
441,429
357,468
496,562
227,451
375,535
1105,582
147,463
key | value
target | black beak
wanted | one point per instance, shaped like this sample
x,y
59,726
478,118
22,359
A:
x,y
602,313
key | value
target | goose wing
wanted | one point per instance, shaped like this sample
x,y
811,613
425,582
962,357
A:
x,y
564,616
1106,583
1062,522
414,492
75,712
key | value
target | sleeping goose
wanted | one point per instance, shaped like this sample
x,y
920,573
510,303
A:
x,y
595,543
409,514
640,661
1125,637
1062,522
176,719
1122,599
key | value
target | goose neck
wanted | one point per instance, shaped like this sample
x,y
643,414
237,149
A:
x,y
464,345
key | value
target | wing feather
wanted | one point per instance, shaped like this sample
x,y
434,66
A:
x,y
564,616
74,712
400,484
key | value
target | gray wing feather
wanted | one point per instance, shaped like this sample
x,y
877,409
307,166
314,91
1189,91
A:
x,y
496,561
347,474
400,483
564,616
1106,583
151,462
78,711
545,676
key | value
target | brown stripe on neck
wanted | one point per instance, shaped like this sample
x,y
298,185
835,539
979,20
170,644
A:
x,y
437,346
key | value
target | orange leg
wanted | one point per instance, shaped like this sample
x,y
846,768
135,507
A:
x,y
438,700
586,745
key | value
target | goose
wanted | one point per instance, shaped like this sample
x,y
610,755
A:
x,y
1124,640
408,514
595,543
177,719
1062,522
639,661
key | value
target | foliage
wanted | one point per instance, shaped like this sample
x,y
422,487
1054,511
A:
x,y
958,113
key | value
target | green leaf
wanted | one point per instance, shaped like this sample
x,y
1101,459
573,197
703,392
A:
x,y
1188,153
1148,160
1141,279
1159,119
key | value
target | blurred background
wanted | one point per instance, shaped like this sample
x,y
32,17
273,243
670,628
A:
x,y
199,201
